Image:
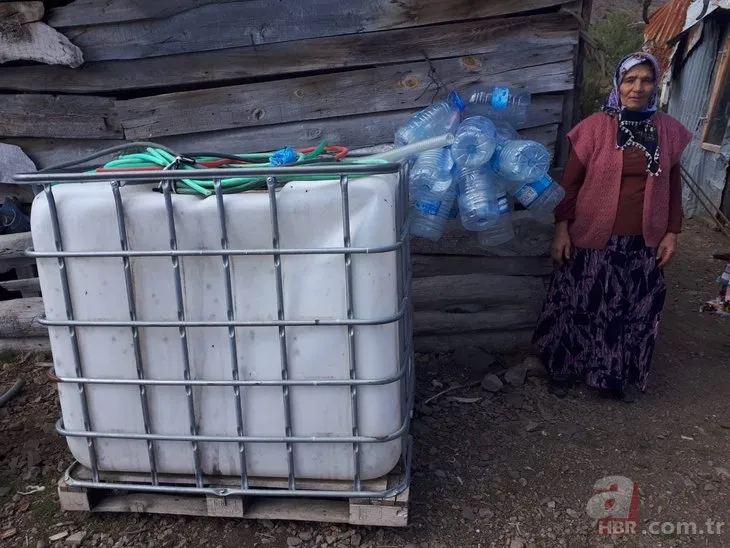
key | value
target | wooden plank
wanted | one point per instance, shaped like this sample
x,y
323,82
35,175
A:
x,y
258,22
41,345
451,292
18,318
340,94
353,511
25,284
353,131
507,317
13,246
93,12
498,342
532,239
443,265
316,54
63,117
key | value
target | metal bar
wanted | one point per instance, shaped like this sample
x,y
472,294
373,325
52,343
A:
x,y
135,330
237,382
283,353
351,349
197,438
206,174
217,252
167,190
397,489
230,323
63,272
233,347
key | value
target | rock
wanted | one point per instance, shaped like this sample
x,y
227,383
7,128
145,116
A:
x,y
306,535
572,513
486,513
43,543
515,376
534,367
722,472
76,539
514,401
724,423
517,543
709,486
440,473
532,426
551,504
523,482
491,383
34,458
473,356
468,513
356,540
294,541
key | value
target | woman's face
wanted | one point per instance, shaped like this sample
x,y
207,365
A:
x,y
637,87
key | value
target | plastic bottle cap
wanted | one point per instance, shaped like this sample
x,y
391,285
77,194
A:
x,y
455,99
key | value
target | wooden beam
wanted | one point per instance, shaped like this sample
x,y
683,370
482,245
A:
x,y
225,25
506,317
498,342
17,318
340,94
25,345
13,246
63,117
90,12
351,131
444,265
484,290
316,54
25,284
533,239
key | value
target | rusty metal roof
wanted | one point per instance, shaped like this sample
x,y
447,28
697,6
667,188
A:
x,y
664,24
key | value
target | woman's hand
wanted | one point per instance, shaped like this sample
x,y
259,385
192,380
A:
x,y
561,243
666,249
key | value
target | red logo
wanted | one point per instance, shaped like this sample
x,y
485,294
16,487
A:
x,y
615,506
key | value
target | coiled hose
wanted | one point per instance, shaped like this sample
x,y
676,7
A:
x,y
156,157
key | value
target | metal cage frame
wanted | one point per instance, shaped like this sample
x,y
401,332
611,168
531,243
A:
x,y
216,485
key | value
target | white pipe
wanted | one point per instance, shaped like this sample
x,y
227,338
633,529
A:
x,y
403,152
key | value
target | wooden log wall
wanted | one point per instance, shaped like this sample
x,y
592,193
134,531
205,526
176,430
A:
x,y
252,75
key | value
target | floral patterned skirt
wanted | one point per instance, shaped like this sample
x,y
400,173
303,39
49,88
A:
x,y
600,319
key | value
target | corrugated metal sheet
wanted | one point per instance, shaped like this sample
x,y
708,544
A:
x,y
665,23
689,102
699,9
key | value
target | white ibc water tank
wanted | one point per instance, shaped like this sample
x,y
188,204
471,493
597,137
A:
x,y
314,287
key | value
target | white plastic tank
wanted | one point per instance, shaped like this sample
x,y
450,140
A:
x,y
310,216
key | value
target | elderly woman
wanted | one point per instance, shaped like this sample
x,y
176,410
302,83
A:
x,y
615,230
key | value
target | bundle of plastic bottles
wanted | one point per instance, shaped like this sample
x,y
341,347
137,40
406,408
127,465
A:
x,y
482,172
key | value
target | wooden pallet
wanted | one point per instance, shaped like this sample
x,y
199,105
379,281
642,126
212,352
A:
x,y
390,512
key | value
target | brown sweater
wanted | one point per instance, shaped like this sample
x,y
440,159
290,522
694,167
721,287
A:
x,y
631,195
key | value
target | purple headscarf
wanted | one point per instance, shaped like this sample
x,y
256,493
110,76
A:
x,y
613,102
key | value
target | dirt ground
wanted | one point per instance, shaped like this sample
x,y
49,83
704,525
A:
x,y
515,468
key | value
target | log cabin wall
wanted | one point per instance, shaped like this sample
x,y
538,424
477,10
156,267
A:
x,y
245,76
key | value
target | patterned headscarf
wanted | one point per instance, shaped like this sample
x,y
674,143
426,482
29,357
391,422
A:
x,y
636,128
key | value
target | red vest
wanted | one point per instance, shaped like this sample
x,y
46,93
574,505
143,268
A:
x,y
594,142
